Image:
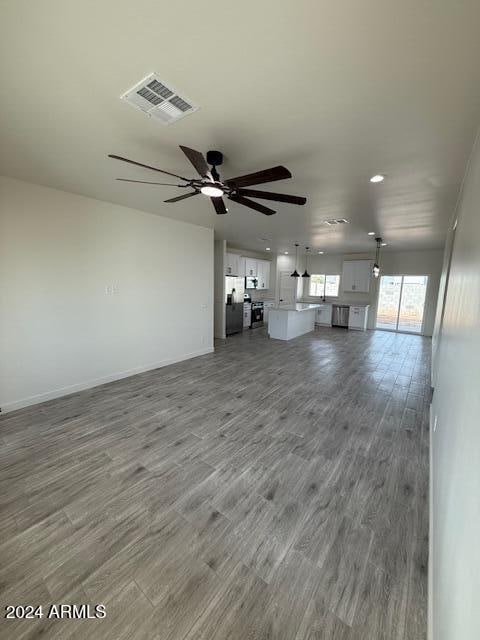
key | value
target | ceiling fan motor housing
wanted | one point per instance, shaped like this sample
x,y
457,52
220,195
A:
x,y
214,158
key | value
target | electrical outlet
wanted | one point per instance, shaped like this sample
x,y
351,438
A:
x,y
111,289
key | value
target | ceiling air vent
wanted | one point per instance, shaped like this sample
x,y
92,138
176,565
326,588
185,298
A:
x,y
158,100
335,221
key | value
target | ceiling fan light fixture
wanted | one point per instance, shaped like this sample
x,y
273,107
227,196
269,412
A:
x,y
210,184
211,191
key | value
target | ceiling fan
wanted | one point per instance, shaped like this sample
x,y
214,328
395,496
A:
x,y
209,183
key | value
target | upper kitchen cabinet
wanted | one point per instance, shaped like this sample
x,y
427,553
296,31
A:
x,y
233,265
241,266
236,265
251,267
356,276
263,274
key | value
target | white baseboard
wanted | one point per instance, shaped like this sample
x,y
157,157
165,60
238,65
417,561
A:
x,y
95,382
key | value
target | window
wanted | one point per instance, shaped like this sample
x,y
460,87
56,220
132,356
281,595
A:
x,y
324,285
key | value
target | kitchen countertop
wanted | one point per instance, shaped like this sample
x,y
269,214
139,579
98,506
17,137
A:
x,y
342,304
299,307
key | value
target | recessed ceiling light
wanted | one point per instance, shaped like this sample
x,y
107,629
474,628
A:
x,y
320,252
213,192
286,253
383,244
267,248
371,233
377,178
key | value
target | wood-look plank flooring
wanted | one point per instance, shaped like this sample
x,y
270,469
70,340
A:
x,y
271,490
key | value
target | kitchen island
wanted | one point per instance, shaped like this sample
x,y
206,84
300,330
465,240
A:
x,y
290,321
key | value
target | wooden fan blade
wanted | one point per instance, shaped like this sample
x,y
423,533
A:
x,y
219,205
268,175
253,205
198,161
186,195
163,184
268,195
146,166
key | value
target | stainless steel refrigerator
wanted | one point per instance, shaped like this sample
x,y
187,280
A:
x,y
234,290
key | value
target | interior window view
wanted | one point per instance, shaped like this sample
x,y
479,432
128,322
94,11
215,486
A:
x,y
323,285
239,320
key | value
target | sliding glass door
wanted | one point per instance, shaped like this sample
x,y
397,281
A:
x,y
401,303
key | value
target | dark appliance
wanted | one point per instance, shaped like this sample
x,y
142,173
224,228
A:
x,y
257,314
234,293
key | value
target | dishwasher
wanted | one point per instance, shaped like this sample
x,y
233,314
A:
x,y
340,315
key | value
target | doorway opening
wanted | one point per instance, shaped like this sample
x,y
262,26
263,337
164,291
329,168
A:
x,y
401,303
287,289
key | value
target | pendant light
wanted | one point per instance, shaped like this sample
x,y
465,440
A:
x,y
376,266
306,274
295,274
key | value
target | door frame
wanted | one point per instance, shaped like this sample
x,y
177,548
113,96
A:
x,y
286,273
402,275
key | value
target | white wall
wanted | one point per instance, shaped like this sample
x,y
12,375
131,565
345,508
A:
x,y
455,444
59,330
392,263
219,289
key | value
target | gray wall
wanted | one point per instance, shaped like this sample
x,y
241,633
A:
x,y
455,451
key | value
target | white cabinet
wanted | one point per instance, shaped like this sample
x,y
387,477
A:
x,y
263,274
247,315
250,267
241,266
266,308
231,264
266,274
324,315
356,276
357,318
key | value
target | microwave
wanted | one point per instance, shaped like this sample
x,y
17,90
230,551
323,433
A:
x,y
251,282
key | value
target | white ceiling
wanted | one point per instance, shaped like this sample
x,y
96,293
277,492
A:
x,y
335,91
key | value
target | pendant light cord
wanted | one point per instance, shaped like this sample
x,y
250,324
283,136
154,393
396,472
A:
x,y
295,274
